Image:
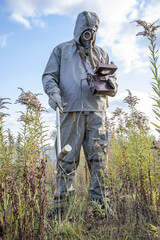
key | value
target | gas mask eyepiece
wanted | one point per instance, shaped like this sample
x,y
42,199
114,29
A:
x,y
87,35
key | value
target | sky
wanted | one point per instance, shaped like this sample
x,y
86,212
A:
x,y
30,29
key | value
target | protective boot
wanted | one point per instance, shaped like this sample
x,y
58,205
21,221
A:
x,y
60,206
101,209
56,213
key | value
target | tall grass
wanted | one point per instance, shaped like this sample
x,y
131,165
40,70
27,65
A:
x,y
27,181
149,32
22,174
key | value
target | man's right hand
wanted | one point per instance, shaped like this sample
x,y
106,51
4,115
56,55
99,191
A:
x,y
55,100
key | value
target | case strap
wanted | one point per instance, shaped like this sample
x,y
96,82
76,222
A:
x,y
83,56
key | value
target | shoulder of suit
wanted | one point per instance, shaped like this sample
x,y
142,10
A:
x,y
65,44
102,53
99,49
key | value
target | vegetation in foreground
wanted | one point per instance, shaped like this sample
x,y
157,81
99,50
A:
x,y
27,181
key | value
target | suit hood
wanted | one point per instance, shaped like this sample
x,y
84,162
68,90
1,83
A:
x,y
85,20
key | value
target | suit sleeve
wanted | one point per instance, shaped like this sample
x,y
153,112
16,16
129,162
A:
x,y
51,75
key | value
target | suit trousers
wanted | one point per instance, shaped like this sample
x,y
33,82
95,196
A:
x,y
83,129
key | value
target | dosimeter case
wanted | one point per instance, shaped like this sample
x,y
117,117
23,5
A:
x,y
99,82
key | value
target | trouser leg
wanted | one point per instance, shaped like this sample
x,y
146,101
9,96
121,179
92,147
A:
x,y
96,156
72,133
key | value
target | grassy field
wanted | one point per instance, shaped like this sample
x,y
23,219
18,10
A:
x,y
27,181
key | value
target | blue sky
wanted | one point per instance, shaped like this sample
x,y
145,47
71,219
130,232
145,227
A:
x,y
30,29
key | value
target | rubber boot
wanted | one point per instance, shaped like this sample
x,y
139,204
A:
x,y
60,205
101,210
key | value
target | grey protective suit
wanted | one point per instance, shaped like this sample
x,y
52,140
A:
x,y
84,115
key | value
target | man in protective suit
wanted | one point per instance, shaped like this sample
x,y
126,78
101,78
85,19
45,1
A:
x,y
84,114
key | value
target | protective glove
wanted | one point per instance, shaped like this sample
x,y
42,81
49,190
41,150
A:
x,y
55,100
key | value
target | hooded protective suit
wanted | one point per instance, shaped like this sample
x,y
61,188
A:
x,y
64,72
84,115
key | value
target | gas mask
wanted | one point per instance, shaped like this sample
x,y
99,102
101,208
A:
x,y
86,40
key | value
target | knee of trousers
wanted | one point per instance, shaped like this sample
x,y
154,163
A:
x,y
99,163
65,166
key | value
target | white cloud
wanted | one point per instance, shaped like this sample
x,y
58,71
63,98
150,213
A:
x,y
127,51
145,105
15,126
118,34
23,8
33,8
12,124
18,18
115,33
4,38
38,23
50,120
151,11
